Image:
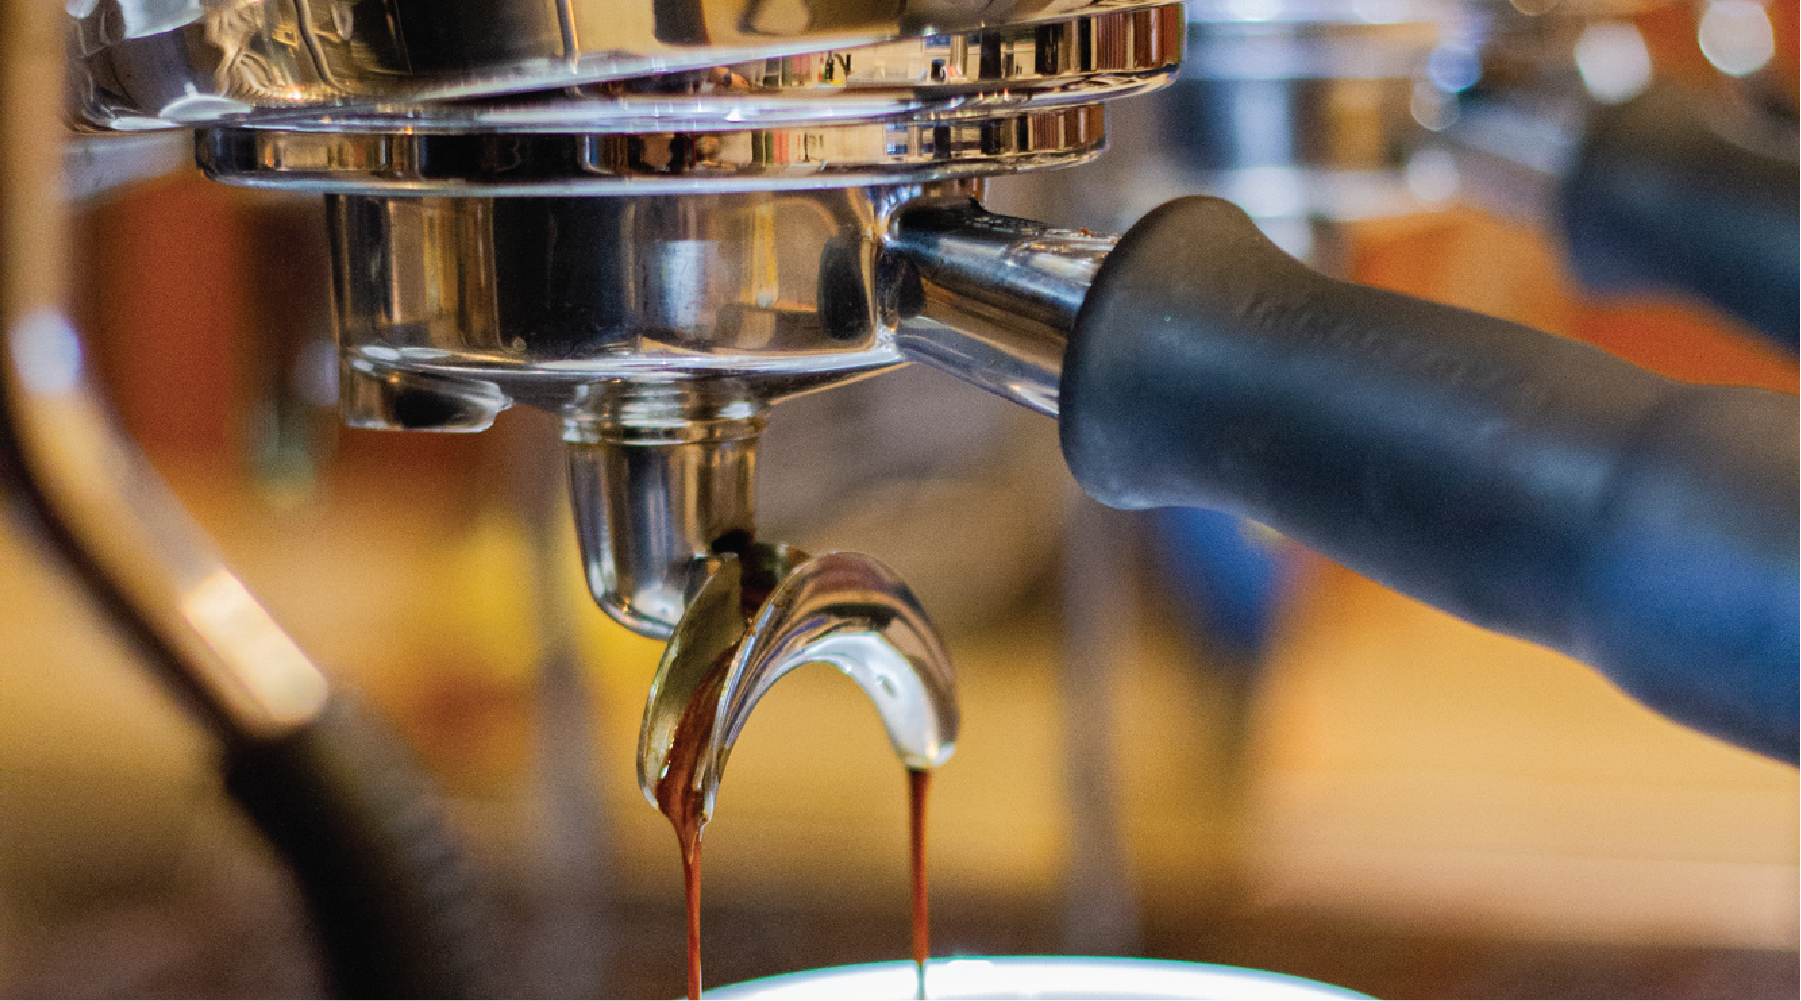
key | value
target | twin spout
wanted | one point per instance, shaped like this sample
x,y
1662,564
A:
x,y
757,615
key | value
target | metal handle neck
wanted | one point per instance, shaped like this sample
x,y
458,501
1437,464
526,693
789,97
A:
x,y
988,298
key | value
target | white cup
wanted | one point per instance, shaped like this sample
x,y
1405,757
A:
x,y
1037,977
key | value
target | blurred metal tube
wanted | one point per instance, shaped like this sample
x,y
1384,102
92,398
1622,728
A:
x,y
98,501
96,164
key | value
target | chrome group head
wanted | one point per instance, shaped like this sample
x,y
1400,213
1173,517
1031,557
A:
x,y
654,219
637,214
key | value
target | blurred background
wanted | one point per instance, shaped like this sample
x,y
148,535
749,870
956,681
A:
x,y
1183,737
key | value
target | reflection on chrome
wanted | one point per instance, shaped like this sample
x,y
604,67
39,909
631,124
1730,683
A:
x,y
129,537
222,59
998,68
835,154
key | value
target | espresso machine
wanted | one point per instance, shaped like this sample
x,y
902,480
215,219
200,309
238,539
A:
x,y
658,220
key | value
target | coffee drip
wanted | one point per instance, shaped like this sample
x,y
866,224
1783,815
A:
x,y
755,615
919,782
679,801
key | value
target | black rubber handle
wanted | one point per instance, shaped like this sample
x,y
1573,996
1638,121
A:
x,y
359,827
1662,197
1527,483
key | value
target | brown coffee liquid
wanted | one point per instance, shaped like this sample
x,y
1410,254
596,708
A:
x,y
685,806
918,782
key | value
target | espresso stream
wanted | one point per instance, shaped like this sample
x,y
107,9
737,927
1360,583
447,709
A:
x,y
919,780
685,807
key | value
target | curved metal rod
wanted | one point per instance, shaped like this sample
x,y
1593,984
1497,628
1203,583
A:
x,y
331,789
348,811
99,501
121,529
843,609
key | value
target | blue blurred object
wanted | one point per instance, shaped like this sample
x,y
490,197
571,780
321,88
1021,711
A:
x,y
1228,573
1674,193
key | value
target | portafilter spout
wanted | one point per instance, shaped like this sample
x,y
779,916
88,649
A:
x,y
661,475
754,617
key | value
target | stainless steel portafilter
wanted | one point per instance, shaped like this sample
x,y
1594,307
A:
x,y
654,226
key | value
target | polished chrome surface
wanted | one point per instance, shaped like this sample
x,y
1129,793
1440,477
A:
x,y
912,150
1095,978
491,300
847,610
1306,113
151,63
710,630
451,309
380,398
662,476
842,609
661,327
1001,68
990,298
751,156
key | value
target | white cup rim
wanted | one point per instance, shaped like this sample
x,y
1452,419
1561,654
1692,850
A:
x,y
1038,977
